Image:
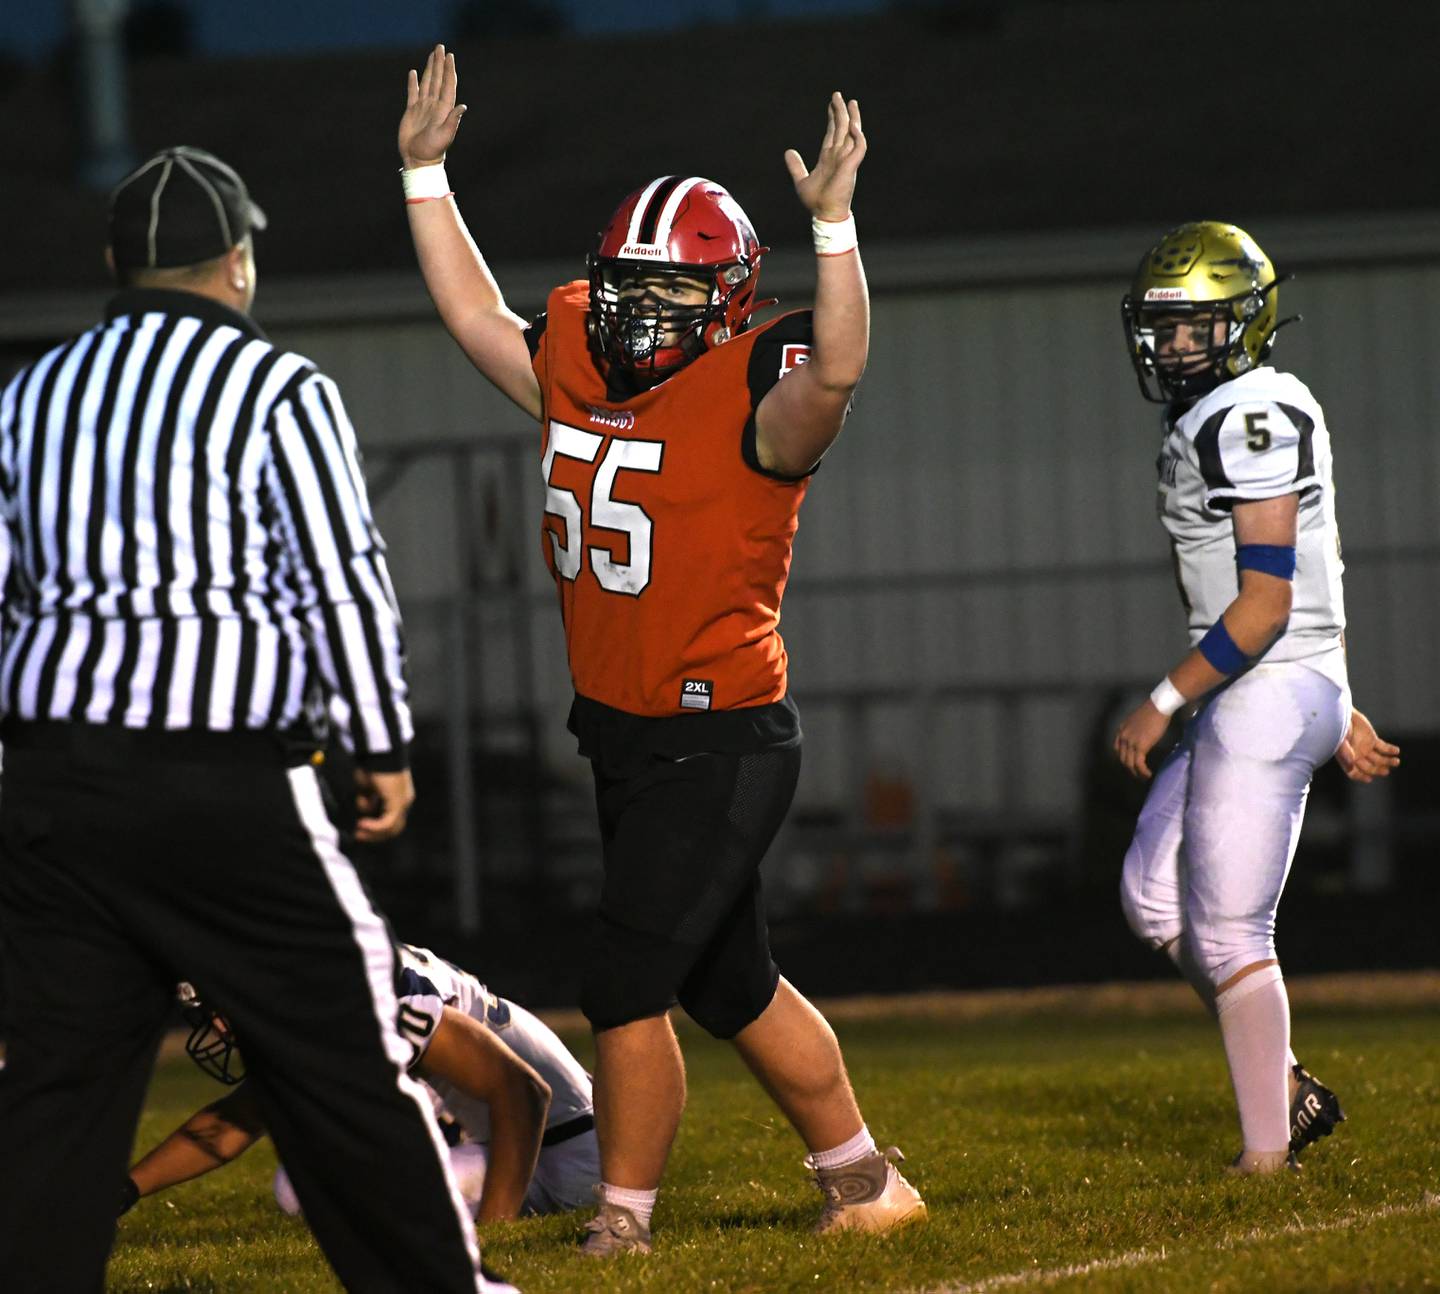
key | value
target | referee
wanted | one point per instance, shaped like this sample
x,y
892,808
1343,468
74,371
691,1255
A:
x,y
194,577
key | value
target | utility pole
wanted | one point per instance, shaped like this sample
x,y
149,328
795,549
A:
x,y
106,153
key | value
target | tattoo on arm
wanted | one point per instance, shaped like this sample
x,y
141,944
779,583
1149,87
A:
x,y
205,1138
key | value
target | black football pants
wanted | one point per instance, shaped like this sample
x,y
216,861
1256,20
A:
x,y
129,861
682,912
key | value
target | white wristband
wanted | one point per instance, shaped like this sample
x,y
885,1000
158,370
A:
x,y
1166,697
423,182
834,237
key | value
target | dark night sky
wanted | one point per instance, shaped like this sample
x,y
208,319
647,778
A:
x,y
34,29
982,118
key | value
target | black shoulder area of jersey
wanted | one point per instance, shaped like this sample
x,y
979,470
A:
x,y
410,983
767,357
1207,450
769,362
534,331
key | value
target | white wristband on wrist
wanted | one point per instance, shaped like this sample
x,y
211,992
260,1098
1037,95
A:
x,y
834,237
1166,697
423,182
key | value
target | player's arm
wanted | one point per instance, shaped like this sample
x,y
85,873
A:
x,y
208,1139
472,1059
1261,609
460,283
320,516
1265,532
800,417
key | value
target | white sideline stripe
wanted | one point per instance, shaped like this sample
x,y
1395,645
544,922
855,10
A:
x,y
374,943
1149,1257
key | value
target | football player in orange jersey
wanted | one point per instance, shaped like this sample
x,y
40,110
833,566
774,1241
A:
x,y
677,441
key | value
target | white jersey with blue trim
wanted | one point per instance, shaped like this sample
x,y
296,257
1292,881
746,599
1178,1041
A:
x,y
428,984
1259,436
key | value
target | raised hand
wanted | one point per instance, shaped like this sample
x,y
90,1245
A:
x,y
826,191
431,114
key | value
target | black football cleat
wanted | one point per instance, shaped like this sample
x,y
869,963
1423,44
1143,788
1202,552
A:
x,y
1314,1112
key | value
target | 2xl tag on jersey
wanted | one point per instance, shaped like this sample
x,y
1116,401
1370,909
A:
x,y
695,693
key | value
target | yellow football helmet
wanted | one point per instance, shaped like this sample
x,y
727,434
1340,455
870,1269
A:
x,y
1201,310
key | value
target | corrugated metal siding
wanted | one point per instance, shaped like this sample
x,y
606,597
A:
x,y
1367,349
999,464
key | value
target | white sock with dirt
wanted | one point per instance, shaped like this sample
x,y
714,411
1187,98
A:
x,y
847,1152
1255,1025
640,1203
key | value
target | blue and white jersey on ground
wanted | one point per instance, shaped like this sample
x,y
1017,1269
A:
x,y
1259,436
429,983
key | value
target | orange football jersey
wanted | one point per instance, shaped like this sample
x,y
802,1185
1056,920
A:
x,y
670,550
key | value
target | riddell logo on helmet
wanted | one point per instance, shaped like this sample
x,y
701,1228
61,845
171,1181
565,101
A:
x,y
1166,294
645,251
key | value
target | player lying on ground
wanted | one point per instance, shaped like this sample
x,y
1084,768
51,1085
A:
x,y
676,443
514,1103
1247,498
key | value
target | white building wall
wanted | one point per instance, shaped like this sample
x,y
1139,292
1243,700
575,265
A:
x,y
986,521
987,517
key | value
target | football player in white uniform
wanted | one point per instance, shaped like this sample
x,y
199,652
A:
x,y
515,1104
1247,500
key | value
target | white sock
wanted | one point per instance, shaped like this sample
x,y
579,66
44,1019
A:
x,y
1255,1025
847,1152
1195,975
640,1203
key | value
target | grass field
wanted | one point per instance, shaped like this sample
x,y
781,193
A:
x,y
1067,1140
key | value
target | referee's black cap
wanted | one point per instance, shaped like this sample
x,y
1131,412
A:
x,y
180,207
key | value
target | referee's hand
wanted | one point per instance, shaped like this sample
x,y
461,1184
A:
x,y
382,800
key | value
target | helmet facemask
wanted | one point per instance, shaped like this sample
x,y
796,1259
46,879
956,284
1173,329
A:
x,y
641,330
211,1042
672,229
1182,350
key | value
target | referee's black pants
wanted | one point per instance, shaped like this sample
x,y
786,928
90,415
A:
x,y
130,861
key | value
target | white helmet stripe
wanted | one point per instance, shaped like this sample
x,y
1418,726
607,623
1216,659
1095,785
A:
x,y
667,212
632,235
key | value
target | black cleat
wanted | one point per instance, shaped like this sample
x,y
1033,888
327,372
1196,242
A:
x,y
1314,1112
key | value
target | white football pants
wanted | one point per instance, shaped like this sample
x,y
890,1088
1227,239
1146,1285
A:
x,y
565,1177
1218,831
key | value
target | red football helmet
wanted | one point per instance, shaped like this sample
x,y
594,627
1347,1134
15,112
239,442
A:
x,y
673,228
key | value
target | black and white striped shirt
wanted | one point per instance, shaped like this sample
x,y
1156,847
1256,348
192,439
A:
x,y
190,542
